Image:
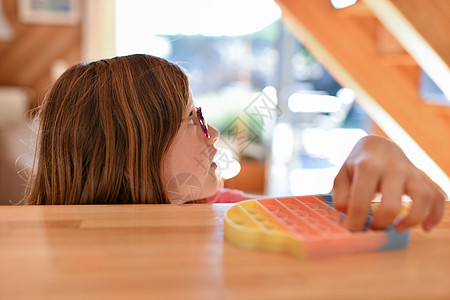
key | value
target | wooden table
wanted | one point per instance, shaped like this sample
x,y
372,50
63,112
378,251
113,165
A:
x,y
179,252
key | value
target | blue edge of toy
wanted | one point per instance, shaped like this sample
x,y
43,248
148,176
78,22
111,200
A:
x,y
396,239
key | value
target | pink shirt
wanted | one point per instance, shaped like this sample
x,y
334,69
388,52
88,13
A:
x,y
226,196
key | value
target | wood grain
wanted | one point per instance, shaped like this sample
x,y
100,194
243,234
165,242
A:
x,y
179,252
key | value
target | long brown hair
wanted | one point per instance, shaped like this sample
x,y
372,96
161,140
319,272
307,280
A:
x,y
105,128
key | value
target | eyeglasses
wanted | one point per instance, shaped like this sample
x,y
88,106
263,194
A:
x,y
201,120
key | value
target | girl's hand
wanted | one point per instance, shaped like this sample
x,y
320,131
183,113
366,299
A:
x,y
377,165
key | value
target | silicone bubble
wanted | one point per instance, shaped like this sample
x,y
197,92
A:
x,y
307,226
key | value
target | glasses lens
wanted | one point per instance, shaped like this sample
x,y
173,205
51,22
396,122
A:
x,y
202,122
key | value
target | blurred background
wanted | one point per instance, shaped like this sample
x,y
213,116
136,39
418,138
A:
x,y
287,124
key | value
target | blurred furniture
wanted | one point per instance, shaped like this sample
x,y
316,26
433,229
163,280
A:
x,y
15,144
179,252
31,58
251,178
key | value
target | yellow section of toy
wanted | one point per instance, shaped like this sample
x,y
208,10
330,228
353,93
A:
x,y
251,226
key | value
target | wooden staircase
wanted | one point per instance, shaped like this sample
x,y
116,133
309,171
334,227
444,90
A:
x,y
378,48
28,58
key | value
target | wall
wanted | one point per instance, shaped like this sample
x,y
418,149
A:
x,y
28,62
28,58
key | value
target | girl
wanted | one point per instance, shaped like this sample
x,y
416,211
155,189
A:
x,y
125,130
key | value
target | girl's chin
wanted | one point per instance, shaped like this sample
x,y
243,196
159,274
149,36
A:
x,y
211,186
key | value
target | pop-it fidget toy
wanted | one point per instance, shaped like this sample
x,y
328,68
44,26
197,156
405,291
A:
x,y
306,226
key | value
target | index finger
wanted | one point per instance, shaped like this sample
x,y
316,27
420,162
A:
x,y
341,190
363,190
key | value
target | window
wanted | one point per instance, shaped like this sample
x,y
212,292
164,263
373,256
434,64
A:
x,y
254,79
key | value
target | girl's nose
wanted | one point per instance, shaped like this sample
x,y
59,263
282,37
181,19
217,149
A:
x,y
214,134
